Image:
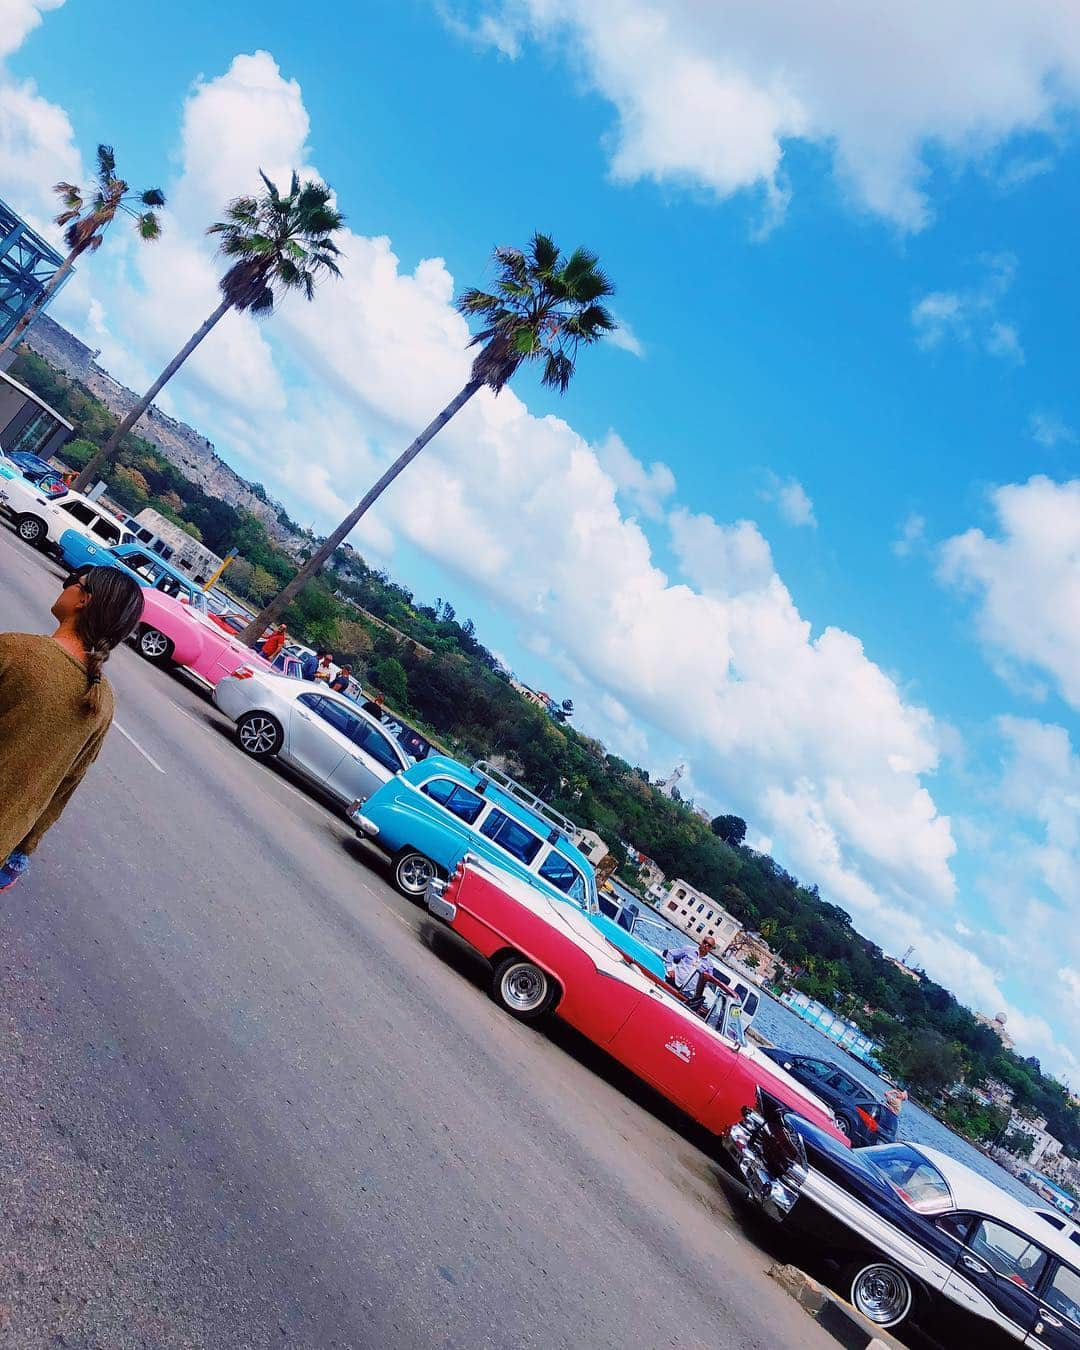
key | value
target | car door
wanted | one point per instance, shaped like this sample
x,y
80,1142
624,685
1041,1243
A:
x,y
994,1277
369,763
675,1051
317,740
1057,1321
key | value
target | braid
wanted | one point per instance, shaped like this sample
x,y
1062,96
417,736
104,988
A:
x,y
95,659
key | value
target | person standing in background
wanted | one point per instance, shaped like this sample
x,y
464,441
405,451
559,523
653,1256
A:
x,y
56,706
274,643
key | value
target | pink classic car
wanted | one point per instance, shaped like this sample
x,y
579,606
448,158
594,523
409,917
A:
x,y
175,632
546,957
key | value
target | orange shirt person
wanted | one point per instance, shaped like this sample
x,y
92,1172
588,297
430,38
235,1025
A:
x,y
271,648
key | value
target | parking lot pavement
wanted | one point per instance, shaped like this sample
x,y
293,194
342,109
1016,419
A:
x,y
249,1096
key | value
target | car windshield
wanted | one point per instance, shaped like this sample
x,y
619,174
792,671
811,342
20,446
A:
x,y
914,1178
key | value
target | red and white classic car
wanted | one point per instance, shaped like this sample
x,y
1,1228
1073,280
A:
x,y
547,957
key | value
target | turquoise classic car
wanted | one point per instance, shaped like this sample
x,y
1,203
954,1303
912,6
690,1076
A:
x,y
429,816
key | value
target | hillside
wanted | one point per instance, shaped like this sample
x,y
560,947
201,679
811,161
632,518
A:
x,y
433,666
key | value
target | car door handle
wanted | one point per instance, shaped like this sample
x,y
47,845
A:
x,y
972,1263
306,716
1049,1319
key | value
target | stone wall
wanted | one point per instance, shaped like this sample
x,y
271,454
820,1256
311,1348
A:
x,y
192,453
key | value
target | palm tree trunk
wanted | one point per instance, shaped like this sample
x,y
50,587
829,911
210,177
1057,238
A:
x,y
288,593
15,336
86,478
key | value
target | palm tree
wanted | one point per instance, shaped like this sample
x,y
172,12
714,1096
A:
x,y
281,244
542,309
87,223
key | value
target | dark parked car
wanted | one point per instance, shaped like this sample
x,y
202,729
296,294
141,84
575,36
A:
x,y
920,1237
861,1116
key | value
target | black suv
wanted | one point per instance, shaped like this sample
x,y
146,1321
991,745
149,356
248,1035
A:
x,y
861,1116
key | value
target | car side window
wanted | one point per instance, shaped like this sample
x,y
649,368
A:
x,y
333,713
842,1083
956,1226
519,842
1063,1293
458,800
78,511
816,1068
377,746
563,875
1010,1254
139,562
106,530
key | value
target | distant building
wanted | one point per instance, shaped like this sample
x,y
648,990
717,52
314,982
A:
x,y
188,554
752,956
1045,1148
592,846
698,915
28,423
997,1026
909,971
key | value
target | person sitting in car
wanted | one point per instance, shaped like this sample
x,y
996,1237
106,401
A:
x,y
690,969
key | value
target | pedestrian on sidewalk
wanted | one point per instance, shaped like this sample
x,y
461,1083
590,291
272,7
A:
x,y
56,706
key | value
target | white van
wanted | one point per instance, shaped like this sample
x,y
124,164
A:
x,y
40,520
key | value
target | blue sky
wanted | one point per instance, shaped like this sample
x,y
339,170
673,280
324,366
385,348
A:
x,y
846,262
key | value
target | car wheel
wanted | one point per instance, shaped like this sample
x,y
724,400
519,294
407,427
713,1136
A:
x,y
845,1127
31,530
412,872
155,646
522,989
259,735
881,1292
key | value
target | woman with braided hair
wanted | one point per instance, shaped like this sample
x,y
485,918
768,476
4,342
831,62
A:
x,y
56,706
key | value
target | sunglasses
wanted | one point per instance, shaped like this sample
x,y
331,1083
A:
x,y
76,579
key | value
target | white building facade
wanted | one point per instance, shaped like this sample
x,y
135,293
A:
x,y
698,915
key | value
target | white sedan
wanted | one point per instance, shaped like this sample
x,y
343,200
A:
x,y
324,736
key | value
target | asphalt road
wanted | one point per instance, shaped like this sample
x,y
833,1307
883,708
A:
x,y
251,1097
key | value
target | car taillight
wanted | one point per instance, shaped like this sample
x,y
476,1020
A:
x,y
867,1119
243,673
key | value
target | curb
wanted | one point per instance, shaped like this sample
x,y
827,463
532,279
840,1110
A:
x,y
847,1327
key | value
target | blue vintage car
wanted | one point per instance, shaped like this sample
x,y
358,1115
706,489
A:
x,y
429,816
139,562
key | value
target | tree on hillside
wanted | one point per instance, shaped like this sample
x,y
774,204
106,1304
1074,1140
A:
x,y
280,244
731,829
87,222
543,308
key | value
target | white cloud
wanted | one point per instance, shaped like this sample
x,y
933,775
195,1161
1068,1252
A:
x,y
712,95
1026,579
1048,429
18,18
647,488
625,338
970,315
792,500
912,535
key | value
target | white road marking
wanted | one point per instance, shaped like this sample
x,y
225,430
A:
x,y
145,754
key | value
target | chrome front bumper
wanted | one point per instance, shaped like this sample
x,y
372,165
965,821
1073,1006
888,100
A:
x,y
433,898
775,1193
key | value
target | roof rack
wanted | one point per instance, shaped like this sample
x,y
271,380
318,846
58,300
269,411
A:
x,y
514,789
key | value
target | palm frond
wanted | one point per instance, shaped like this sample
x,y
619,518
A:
x,y
275,196
70,195
149,226
106,163
558,369
152,197
544,252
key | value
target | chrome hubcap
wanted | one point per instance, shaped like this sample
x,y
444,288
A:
x,y
29,531
154,643
882,1294
257,735
414,872
524,988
